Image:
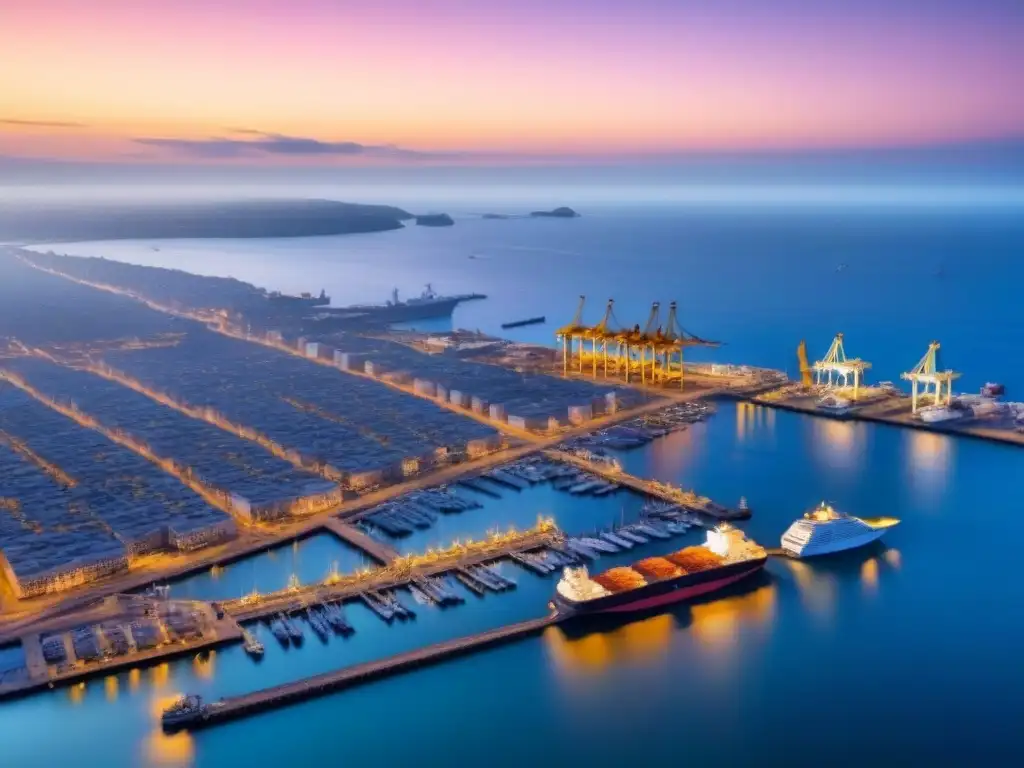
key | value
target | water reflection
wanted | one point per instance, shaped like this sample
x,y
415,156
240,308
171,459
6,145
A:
x,y
162,748
202,665
134,677
110,686
716,624
928,460
751,418
869,575
159,675
838,444
893,558
674,453
817,588
76,693
595,651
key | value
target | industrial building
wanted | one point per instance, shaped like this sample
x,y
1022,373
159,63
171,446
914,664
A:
x,y
77,506
347,428
257,484
538,401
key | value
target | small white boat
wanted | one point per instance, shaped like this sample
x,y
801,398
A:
x,y
823,531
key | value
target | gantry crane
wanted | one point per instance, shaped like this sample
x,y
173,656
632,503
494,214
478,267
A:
x,y
927,372
806,378
567,334
842,367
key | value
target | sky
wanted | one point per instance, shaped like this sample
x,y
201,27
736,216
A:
x,y
281,82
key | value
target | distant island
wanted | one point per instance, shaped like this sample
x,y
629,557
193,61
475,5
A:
x,y
435,220
558,213
227,219
563,212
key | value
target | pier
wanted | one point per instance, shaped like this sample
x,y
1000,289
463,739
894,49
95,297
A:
x,y
400,572
318,685
378,550
686,499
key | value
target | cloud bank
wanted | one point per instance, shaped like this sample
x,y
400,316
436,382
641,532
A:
x,y
39,123
261,143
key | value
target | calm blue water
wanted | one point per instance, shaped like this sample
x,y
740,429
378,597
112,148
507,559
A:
x,y
909,650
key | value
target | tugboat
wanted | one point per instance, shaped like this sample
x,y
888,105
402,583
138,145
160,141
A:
x,y
185,710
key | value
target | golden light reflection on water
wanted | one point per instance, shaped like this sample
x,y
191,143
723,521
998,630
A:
x,y
928,461
869,575
134,677
76,693
159,675
110,686
672,454
751,418
817,588
599,650
169,749
202,665
164,749
893,558
839,443
716,624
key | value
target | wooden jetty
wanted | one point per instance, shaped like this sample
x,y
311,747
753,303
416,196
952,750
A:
x,y
318,685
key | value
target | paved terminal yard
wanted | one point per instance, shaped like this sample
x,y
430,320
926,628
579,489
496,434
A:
x,y
254,483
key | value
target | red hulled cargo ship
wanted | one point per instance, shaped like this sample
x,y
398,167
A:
x,y
725,558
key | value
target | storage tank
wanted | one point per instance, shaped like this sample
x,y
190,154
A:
x,y
611,402
455,397
371,368
478,404
497,412
441,393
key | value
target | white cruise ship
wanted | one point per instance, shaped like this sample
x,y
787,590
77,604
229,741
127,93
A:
x,y
835,404
824,530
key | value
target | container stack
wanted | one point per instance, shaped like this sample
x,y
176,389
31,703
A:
x,y
620,580
657,569
694,559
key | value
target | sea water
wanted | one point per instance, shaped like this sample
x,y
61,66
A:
x,y
905,650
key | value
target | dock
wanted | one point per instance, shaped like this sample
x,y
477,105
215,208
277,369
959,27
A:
x,y
328,682
399,573
686,499
378,550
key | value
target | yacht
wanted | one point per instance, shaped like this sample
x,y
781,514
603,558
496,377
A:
x,y
184,710
823,530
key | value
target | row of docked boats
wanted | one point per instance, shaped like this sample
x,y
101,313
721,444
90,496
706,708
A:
x,y
322,619
625,537
434,590
418,510
386,605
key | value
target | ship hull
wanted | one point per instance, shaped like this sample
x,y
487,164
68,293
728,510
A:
x,y
665,592
815,549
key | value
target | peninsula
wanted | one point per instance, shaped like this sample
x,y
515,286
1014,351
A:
x,y
224,219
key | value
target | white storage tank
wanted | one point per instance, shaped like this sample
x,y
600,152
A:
x,y
497,412
441,393
455,397
478,404
611,402
371,368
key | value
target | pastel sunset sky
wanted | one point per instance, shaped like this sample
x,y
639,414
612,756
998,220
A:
x,y
366,81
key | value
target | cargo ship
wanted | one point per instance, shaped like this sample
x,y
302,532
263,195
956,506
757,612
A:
x,y
725,558
823,531
302,300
